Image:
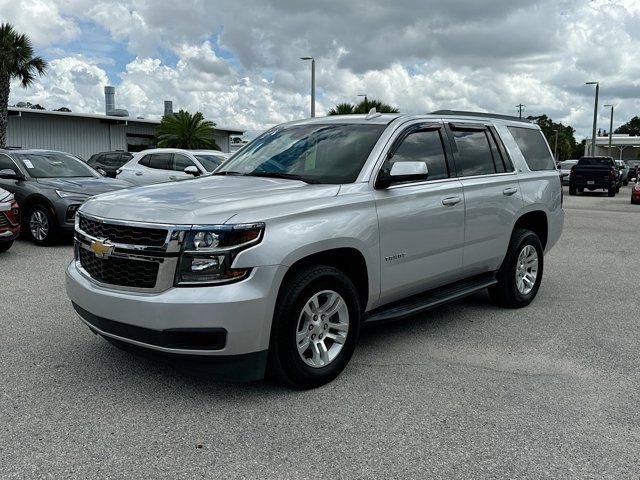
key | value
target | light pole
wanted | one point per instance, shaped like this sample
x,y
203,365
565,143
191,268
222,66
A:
x,y
366,103
595,118
610,126
313,84
520,107
555,148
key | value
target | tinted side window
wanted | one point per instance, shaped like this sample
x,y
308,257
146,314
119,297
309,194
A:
x,y
533,147
7,163
474,153
160,161
144,160
111,160
424,146
180,162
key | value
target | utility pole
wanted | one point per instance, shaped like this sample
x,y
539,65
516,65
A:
x,y
520,107
610,126
313,84
595,118
366,103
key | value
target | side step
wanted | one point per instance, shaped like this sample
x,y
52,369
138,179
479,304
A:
x,y
433,298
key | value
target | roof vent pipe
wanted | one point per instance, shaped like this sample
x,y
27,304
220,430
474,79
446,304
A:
x,y
109,99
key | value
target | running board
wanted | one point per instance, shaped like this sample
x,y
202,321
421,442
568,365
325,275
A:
x,y
433,298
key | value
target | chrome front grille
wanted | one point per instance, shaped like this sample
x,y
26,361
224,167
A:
x,y
150,237
124,255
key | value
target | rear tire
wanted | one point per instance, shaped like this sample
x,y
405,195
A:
x,y
612,192
572,190
618,189
292,354
520,275
4,246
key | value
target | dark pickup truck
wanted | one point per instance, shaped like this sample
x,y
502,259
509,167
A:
x,y
594,173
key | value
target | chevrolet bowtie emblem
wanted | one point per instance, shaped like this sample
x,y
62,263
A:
x,y
101,249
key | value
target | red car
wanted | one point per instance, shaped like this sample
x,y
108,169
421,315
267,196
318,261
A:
x,y
635,193
9,220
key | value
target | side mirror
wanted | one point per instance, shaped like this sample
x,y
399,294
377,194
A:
x,y
634,179
192,170
401,172
102,172
10,174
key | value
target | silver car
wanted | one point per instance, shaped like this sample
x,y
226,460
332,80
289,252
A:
x,y
565,170
316,227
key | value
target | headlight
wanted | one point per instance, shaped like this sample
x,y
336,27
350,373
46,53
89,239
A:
x,y
78,196
208,254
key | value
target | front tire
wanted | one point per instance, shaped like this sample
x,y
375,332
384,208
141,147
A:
x,y
520,275
41,225
572,190
4,246
612,192
315,327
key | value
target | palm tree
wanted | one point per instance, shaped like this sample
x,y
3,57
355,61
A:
x,y
342,109
16,63
381,107
363,107
183,130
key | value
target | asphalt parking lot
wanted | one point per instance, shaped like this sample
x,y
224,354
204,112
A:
x,y
466,391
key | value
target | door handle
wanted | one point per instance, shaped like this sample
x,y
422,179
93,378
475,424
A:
x,y
509,191
450,201
172,177
138,173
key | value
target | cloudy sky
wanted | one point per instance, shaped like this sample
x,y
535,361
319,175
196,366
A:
x,y
238,61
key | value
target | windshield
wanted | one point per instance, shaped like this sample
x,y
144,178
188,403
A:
x,y
54,165
567,165
329,153
210,162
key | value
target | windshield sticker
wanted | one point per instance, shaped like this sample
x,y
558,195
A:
x,y
27,163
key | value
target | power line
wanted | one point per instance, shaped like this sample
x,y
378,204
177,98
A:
x,y
520,107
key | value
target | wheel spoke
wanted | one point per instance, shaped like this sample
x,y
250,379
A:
x,y
336,304
304,346
341,327
336,338
324,354
315,355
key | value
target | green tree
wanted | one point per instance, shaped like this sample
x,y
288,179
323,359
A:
x,y
342,109
567,146
632,127
183,130
16,63
363,107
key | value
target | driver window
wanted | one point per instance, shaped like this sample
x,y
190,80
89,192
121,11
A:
x,y
423,146
180,162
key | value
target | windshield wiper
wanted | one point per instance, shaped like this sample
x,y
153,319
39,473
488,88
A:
x,y
288,176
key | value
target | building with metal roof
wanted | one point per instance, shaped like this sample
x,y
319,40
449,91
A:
x,y
85,134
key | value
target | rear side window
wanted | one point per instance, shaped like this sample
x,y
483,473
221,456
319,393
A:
x,y
160,161
424,146
474,153
533,147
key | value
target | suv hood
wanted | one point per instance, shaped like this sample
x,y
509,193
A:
x,y
211,200
88,186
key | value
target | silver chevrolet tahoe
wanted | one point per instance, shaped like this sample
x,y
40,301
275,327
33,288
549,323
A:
x,y
272,265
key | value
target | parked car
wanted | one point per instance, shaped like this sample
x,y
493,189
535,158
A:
x,y
634,168
594,173
50,186
317,226
168,164
565,169
635,193
108,163
623,172
9,220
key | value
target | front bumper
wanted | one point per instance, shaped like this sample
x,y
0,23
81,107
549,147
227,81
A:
x,y
234,321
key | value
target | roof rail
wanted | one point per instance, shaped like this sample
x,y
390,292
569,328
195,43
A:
x,y
480,114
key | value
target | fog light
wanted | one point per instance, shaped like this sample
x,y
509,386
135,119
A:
x,y
206,264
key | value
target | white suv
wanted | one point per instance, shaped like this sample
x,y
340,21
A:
x,y
160,165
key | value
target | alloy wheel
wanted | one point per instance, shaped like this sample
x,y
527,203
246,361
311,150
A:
x,y
39,225
322,328
527,269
